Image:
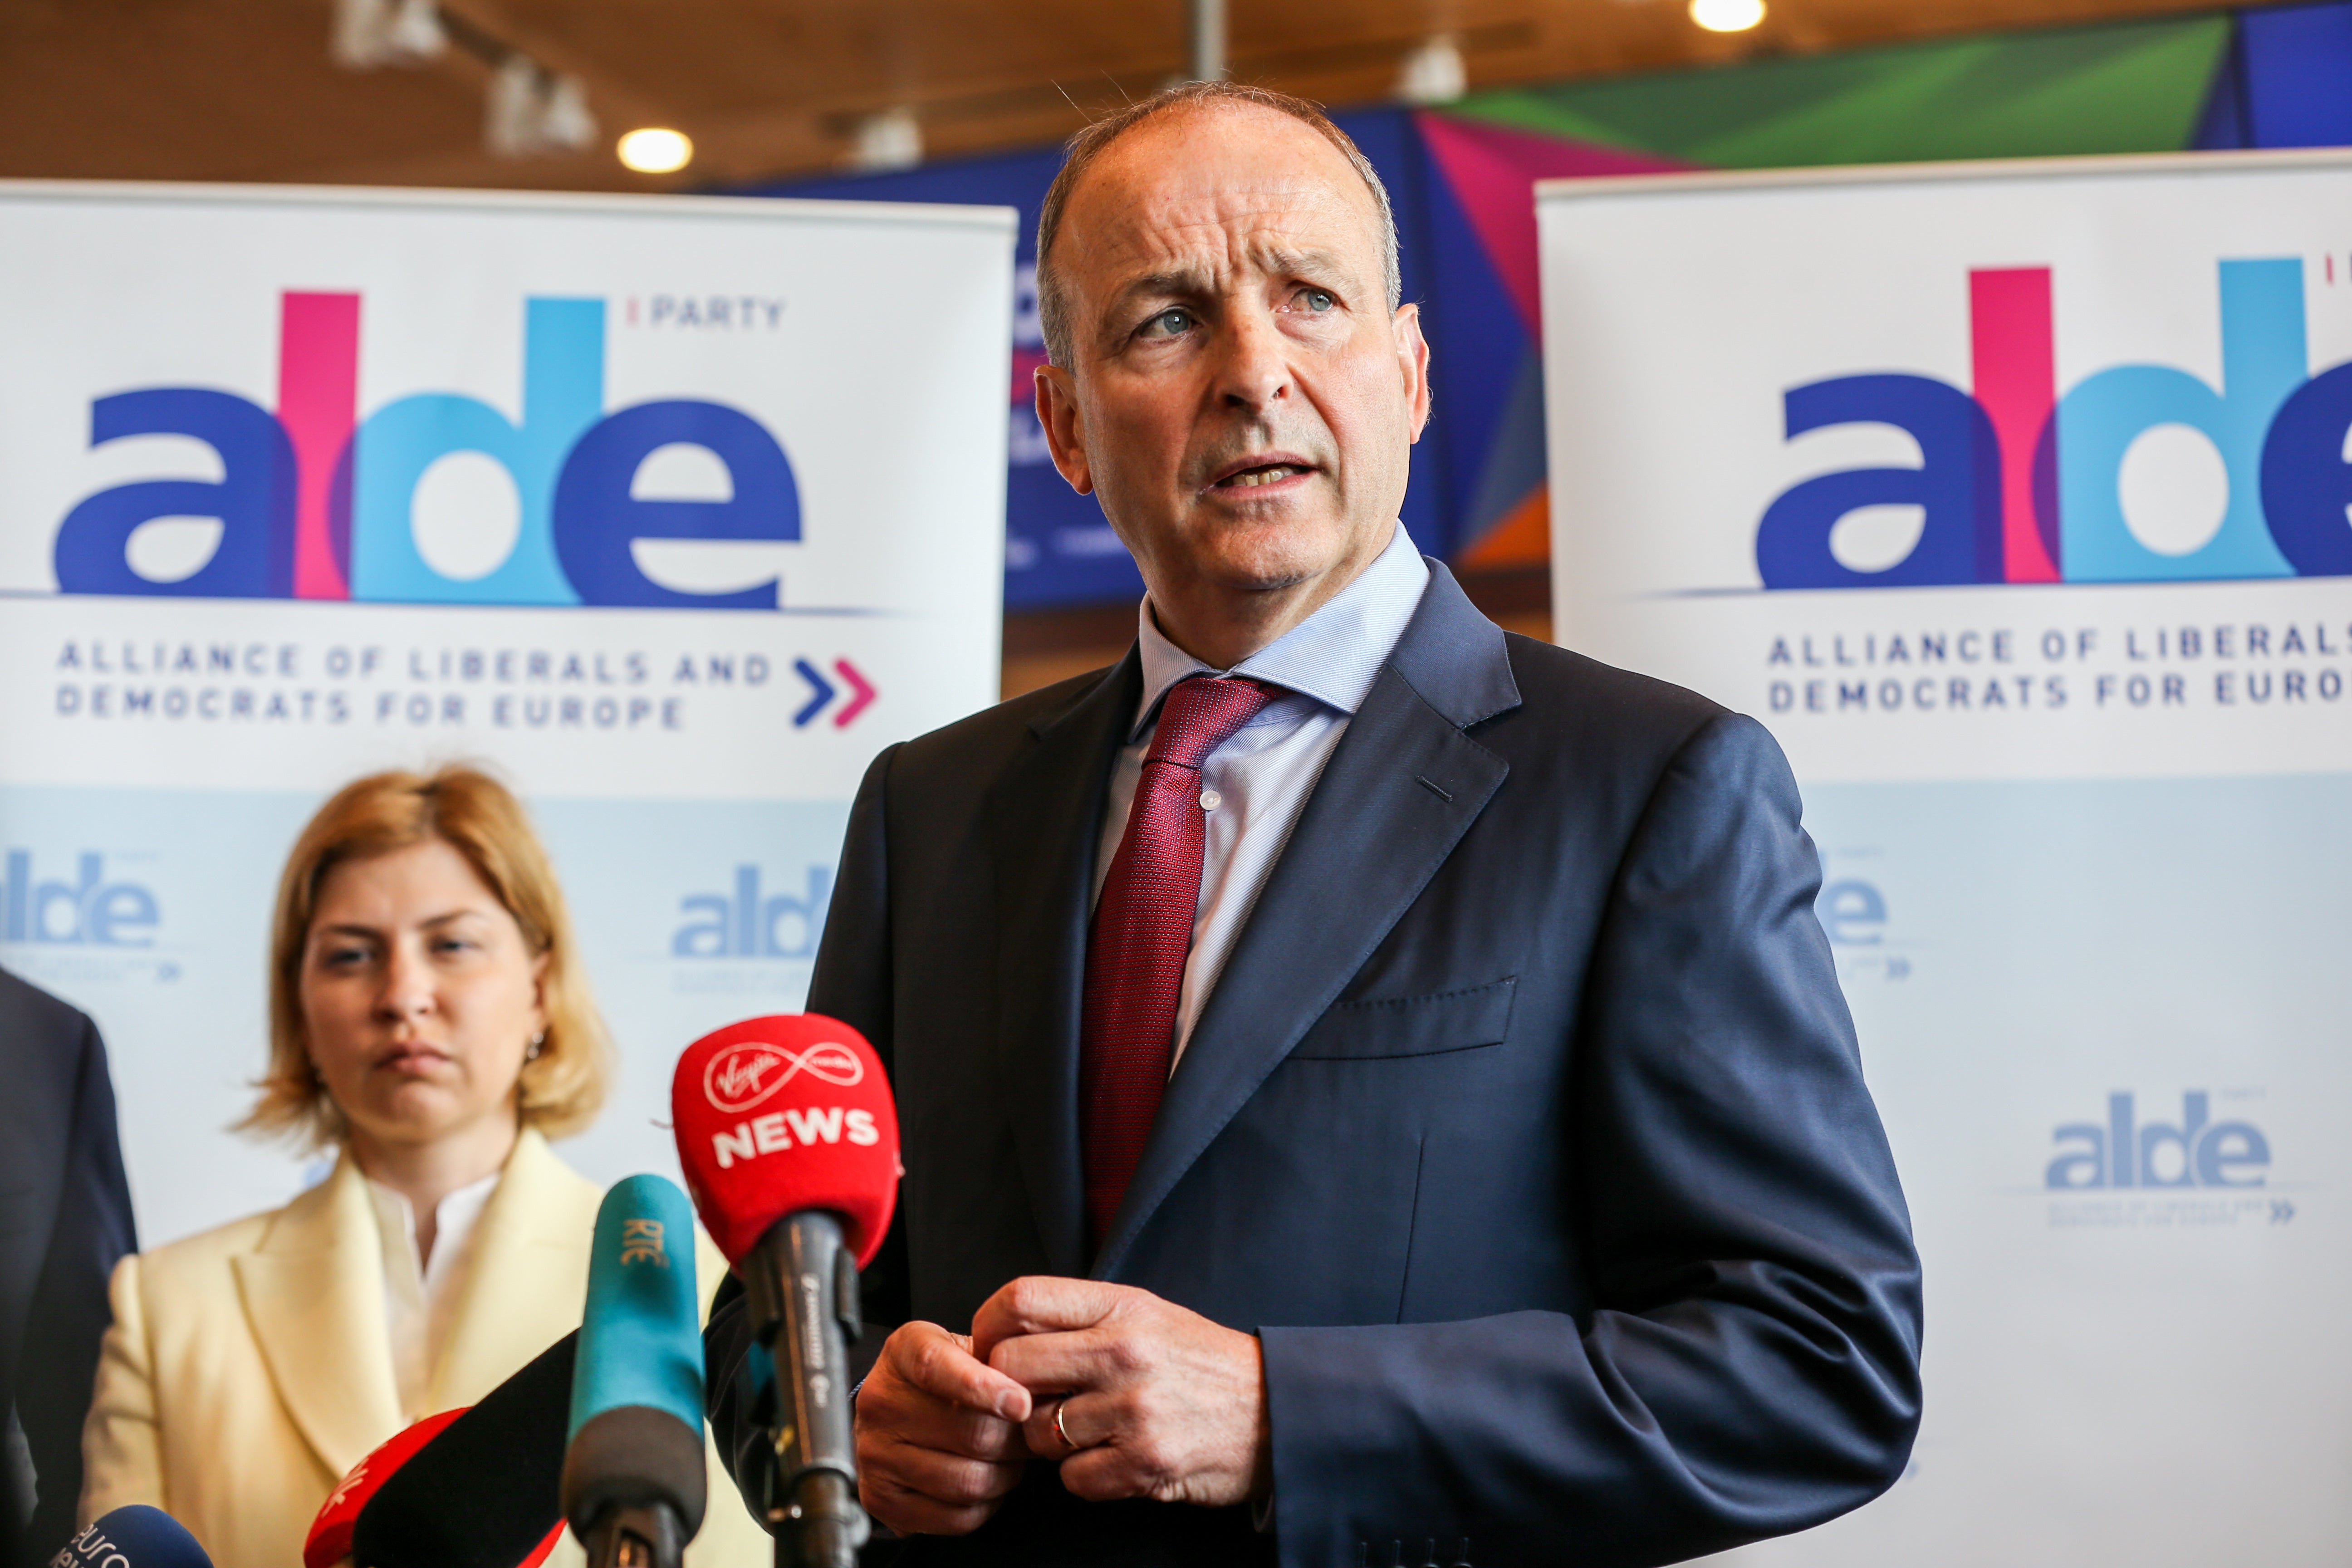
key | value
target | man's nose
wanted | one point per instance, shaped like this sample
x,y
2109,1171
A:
x,y
1254,368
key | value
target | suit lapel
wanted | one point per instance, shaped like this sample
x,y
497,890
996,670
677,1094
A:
x,y
527,1277
313,1292
1371,835
1042,817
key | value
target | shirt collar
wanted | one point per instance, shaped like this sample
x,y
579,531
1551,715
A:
x,y
452,1223
1333,656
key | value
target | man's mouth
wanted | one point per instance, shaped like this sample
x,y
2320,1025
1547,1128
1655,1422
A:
x,y
1265,471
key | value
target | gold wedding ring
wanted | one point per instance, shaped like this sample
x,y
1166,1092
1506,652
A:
x,y
1060,1407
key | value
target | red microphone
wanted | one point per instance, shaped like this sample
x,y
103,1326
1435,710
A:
x,y
789,1139
477,1488
329,1541
777,1115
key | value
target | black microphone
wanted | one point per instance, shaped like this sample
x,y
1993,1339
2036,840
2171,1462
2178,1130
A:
x,y
487,1490
790,1144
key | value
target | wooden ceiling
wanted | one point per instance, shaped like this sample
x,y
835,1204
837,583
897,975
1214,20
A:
x,y
244,89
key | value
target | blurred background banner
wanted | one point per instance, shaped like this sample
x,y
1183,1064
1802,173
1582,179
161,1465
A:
x,y
2014,497
614,494
1464,196
1463,180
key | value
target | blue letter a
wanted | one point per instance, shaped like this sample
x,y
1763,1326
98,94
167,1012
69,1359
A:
x,y
1956,485
254,498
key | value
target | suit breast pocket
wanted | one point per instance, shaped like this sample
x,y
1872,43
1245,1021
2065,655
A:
x,y
1464,1019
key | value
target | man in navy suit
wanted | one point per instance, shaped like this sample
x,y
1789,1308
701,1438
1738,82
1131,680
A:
x,y
1374,1089
65,1220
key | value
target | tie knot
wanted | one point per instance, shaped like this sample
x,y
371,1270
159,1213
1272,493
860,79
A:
x,y
1201,713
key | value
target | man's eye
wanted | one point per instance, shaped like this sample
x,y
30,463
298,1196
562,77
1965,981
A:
x,y
1319,300
1170,323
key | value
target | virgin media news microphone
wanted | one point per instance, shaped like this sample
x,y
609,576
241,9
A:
x,y
790,1143
632,1474
134,1536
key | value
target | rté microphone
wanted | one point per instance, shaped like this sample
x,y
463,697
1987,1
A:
x,y
632,1468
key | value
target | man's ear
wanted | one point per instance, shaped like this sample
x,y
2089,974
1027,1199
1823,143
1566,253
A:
x,y
1066,434
1413,360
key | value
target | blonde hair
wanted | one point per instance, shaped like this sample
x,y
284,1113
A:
x,y
562,1087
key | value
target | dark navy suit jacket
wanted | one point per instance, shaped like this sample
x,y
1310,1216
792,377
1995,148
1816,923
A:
x,y
65,1219
1525,1124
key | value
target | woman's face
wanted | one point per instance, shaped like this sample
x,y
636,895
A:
x,y
419,995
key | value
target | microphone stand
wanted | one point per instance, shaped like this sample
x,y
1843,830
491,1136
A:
x,y
637,1536
800,1285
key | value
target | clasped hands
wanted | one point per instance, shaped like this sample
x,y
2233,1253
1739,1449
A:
x,y
1133,1395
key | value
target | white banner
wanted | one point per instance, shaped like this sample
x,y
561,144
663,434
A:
x,y
2013,498
673,510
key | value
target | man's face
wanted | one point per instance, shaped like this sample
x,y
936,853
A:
x,y
1242,398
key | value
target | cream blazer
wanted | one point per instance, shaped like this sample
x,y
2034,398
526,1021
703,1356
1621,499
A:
x,y
249,1368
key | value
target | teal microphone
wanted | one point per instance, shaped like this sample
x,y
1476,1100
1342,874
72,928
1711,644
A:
x,y
633,1470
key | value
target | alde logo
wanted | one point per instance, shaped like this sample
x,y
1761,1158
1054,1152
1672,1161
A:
x,y
750,923
315,503
741,1075
2017,484
89,909
2195,1151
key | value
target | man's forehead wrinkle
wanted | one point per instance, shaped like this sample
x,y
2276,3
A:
x,y
1216,246
1210,249
1166,224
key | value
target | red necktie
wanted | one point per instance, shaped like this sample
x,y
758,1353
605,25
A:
x,y
1142,934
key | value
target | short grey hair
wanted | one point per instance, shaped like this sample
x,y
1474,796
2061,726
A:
x,y
1052,306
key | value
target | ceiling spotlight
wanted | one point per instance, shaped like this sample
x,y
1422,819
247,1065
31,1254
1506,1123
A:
x,y
1433,73
566,122
891,140
655,150
1727,16
531,110
372,33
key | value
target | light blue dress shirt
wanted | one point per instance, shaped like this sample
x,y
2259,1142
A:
x,y
1255,785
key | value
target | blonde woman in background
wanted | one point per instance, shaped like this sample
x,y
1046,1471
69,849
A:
x,y
429,1022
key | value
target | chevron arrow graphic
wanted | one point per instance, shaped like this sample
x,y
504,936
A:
x,y
818,684
861,693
